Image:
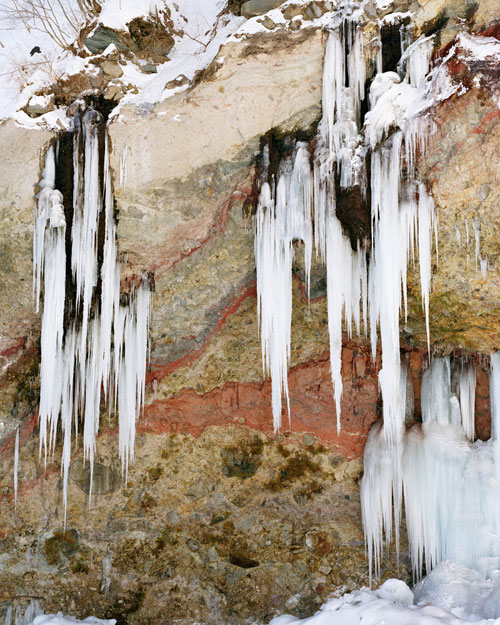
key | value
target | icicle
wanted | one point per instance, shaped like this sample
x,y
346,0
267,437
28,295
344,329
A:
x,y
467,390
344,77
450,484
495,409
335,262
484,267
381,486
16,466
402,215
346,286
279,222
50,262
377,496
387,271
476,225
133,349
436,394
425,220
418,57
274,299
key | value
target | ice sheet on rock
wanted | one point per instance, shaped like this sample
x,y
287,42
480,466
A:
x,y
450,484
495,408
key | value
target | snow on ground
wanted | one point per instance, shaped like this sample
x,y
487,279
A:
x,y
450,595
59,619
202,30
205,30
17,66
479,48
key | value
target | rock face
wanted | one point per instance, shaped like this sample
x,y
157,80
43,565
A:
x,y
463,304
20,166
218,519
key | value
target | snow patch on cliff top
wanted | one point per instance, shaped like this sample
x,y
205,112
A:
x,y
201,29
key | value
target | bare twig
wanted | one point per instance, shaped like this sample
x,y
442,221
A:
x,y
67,22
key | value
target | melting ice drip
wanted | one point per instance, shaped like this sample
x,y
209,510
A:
x,y
103,349
450,484
402,213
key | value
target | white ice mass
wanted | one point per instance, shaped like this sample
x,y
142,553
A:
x,y
445,482
401,209
100,348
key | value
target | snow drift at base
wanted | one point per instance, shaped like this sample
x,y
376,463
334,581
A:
x,y
450,595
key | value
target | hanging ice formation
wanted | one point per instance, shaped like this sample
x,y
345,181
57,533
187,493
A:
x,y
450,483
402,212
92,343
16,465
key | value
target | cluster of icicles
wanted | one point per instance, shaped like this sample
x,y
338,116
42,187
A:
x,y
450,483
300,205
103,349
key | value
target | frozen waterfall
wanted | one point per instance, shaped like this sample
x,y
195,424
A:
x,y
434,471
92,344
450,483
402,213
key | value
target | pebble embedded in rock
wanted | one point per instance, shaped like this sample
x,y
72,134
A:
x,y
253,8
193,544
483,192
268,23
309,440
148,68
113,92
111,69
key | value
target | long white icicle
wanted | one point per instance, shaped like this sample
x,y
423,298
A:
x,y
16,466
279,221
